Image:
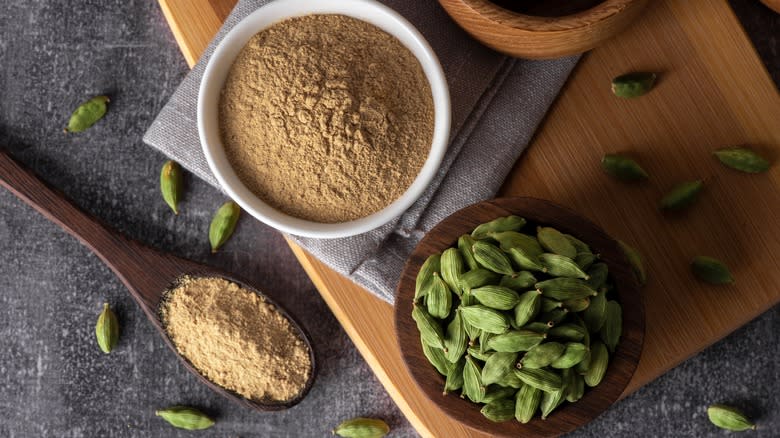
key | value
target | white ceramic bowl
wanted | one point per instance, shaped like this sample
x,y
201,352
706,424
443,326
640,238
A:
x,y
278,10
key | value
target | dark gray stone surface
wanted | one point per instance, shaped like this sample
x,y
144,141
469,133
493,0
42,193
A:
x,y
53,379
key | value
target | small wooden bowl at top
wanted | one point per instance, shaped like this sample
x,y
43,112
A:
x,y
545,34
538,212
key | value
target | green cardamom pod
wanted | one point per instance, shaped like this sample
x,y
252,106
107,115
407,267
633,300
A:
x,y
585,260
515,340
492,258
631,85
742,159
613,325
568,332
596,313
563,288
711,270
581,323
597,367
455,339
465,245
362,428
635,260
223,224
551,400
528,306
520,282
577,305
545,380
429,328
623,168
510,381
575,385
497,366
439,298
682,195
479,354
553,317
512,239
496,392
477,278
509,223
582,367
425,276
555,242
526,260
472,381
184,417
562,266
598,273
87,114
172,184
578,244
452,267
496,297
527,401
572,355
107,329
728,418
542,355
436,357
499,411
549,305
454,380
538,327
486,319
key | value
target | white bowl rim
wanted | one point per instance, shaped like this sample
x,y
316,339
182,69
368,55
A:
x,y
219,64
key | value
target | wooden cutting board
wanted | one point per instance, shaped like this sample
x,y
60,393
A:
x,y
713,92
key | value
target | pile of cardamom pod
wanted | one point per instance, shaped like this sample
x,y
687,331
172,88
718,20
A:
x,y
517,322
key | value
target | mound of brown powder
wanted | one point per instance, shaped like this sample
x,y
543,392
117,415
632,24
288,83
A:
x,y
326,117
236,339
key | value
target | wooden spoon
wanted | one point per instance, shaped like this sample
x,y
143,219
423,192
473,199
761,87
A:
x,y
146,272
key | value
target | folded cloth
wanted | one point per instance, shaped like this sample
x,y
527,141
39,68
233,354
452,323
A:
x,y
497,103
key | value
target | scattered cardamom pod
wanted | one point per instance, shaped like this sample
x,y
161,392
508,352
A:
x,y
430,330
526,260
362,428
547,381
508,223
438,298
472,381
711,270
555,242
172,184
484,318
512,239
499,411
515,340
477,278
597,367
538,327
623,168
613,325
452,267
562,266
455,339
107,329
491,258
497,366
631,85
519,282
742,159
465,245
728,418
87,114
184,417
223,224
568,332
435,356
496,392
542,355
496,297
572,355
527,402
562,288
636,262
425,276
682,195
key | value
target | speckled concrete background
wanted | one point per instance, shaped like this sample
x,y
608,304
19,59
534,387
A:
x,y
53,379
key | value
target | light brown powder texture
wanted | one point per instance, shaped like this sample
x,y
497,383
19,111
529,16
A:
x,y
326,117
234,338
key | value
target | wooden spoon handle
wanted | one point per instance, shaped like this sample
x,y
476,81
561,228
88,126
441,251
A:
x,y
130,260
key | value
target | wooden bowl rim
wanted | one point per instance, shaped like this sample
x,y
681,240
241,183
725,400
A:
x,y
587,18
623,362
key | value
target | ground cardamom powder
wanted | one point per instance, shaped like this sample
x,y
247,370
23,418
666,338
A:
x,y
234,338
326,117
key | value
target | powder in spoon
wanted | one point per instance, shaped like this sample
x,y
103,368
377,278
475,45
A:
x,y
326,117
236,339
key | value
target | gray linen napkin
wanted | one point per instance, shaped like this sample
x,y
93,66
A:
x,y
497,103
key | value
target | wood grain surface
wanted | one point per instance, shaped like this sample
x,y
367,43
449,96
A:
x,y
713,92
538,212
146,272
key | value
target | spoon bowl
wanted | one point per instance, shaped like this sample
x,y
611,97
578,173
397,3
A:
x,y
146,272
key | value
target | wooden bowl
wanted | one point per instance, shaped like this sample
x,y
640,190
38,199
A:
x,y
622,363
541,32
